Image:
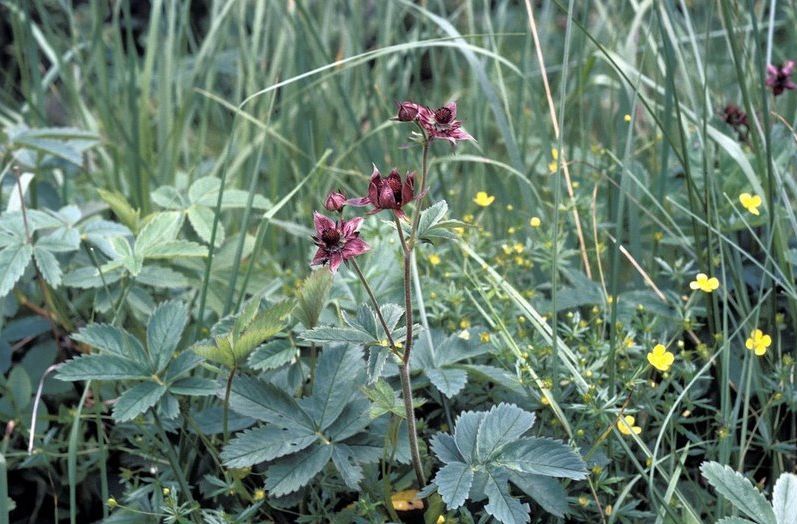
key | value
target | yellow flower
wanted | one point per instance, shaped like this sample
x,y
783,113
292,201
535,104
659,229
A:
x,y
259,494
468,218
704,283
626,425
484,337
518,247
506,249
553,165
758,342
660,358
483,199
166,492
750,202
441,520
627,118
535,222
464,323
434,259
406,500
510,207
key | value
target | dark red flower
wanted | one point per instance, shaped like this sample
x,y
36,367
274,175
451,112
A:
x,y
335,201
390,192
337,241
407,111
735,117
779,78
442,123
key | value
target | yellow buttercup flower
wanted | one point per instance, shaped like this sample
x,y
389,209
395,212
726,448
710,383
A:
x,y
758,342
660,358
259,494
750,202
406,500
627,118
626,425
704,283
434,259
483,199
535,222
464,323
484,337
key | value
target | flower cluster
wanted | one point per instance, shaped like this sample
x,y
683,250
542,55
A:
x,y
440,123
339,240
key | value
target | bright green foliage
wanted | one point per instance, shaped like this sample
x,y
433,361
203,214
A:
x,y
312,297
234,338
302,436
488,451
200,201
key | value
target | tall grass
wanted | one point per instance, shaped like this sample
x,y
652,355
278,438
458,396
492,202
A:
x,y
258,92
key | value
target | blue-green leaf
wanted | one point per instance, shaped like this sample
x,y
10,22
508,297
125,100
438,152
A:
x,y
272,355
13,261
740,491
194,387
545,491
137,400
504,423
449,381
467,427
48,266
265,443
502,505
542,456
445,448
453,483
336,370
784,498
263,401
295,471
101,367
350,471
164,329
113,340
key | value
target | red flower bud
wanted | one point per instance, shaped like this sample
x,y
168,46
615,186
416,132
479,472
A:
x,y
407,111
335,201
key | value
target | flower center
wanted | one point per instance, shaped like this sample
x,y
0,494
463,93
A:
x,y
330,237
443,115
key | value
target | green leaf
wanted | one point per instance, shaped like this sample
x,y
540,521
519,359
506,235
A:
x,y
160,276
48,266
265,443
62,240
453,483
449,381
502,505
350,471
384,400
313,297
542,456
445,448
266,402
164,329
740,491
201,219
113,340
121,208
325,335
467,427
273,355
734,520
336,370
265,325
176,248
160,229
13,261
431,216
545,491
352,420
504,423
101,367
181,365
784,499
169,198
194,387
295,471
219,352
137,400
18,384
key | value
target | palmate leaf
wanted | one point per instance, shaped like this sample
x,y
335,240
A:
x,y
740,491
312,297
291,473
445,448
265,325
545,491
467,427
112,340
137,400
273,355
449,381
336,369
265,443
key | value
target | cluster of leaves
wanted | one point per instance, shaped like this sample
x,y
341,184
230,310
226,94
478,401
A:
x,y
488,450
